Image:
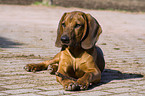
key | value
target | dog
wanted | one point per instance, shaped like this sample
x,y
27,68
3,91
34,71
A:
x,y
80,62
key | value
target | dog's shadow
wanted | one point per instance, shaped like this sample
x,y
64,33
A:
x,y
109,75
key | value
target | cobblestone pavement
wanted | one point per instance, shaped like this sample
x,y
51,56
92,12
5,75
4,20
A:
x,y
27,35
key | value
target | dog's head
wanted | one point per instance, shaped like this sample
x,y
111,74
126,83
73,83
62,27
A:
x,y
77,28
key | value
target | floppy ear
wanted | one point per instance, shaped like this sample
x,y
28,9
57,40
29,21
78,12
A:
x,y
59,32
92,33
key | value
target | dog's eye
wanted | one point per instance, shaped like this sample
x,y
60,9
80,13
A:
x,y
63,24
78,25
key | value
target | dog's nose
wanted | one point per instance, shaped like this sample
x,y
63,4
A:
x,y
65,39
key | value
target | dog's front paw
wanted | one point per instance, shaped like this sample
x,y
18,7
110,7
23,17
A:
x,y
52,68
34,67
71,86
30,67
83,84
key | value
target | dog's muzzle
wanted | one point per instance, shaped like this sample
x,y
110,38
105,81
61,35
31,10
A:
x,y
65,39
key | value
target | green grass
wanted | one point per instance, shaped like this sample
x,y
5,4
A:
x,y
43,4
37,3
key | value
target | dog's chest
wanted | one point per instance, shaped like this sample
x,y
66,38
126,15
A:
x,y
78,63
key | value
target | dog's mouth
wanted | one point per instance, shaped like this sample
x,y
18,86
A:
x,y
67,43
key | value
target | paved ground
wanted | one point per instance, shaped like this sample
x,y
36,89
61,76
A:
x,y
27,35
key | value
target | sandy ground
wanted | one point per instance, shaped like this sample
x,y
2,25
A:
x,y
28,33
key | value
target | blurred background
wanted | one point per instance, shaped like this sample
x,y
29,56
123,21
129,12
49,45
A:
x,y
130,5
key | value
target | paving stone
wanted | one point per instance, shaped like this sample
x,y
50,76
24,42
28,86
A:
x,y
52,87
141,83
19,86
140,87
143,92
121,90
128,94
27,94
57,92
94,93
18,91
16,77
115,85
3,94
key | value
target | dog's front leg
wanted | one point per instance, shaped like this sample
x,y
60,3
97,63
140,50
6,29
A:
x,y
42,66
63,77
51,65
90,76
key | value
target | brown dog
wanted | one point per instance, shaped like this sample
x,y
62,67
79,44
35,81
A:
x,y
79,62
